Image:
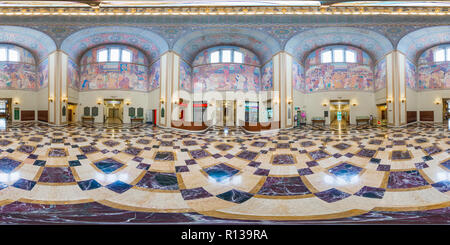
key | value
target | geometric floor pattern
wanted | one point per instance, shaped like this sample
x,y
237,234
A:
x,y
306,174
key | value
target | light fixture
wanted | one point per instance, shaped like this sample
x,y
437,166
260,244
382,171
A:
x,y
289,101
99,102
324,104
437,101
50,99
16,102
389,100
128,102
354,104
403,100
64,99
161,100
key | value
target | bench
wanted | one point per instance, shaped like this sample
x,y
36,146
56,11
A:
x,y
137,120
87,119
318,120
362,119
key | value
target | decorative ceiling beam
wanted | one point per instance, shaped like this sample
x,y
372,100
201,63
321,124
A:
x,y
259,10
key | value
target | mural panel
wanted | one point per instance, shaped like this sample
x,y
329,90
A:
x,y
154,74
17,76
267,76
225,77
73,79
410,74
43,74
380,75
185,76
433,75
298,79
343,76
114,75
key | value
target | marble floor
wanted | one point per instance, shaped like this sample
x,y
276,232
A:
x,y
95,174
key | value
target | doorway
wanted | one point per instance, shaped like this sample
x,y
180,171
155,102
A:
x,y
113,111
339,113
71,112
6,109
446,109
382,113
226,113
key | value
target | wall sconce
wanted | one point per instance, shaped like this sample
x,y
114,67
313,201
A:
x,y
161,100
324,104
50,99
437,101
389,100
289,101
99,102
128,102
354,104
275,101
64,99
403,100
16,102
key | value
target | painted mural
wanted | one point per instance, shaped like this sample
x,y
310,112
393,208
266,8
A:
x,y
43,74
114,75
154,75
410,75
203,57
185,76
433,75
73,78
225,77
17,76
380,75
343,76
267,76
298,79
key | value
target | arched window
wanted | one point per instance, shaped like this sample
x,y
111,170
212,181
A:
x,y
226,56
114,54
9,54
442,54
338,55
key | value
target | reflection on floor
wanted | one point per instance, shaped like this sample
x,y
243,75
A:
x,y
95,173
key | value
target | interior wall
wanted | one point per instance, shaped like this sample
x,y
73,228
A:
x,y
426,102
90,98
313,104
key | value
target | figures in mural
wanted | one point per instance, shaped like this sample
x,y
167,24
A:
x,y
185,76
410,74
225,77
433,75
339,77
297,76
380,75
267,75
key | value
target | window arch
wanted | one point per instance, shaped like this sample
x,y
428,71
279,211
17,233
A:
x,y
338,54
114,53
114,67
227,55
